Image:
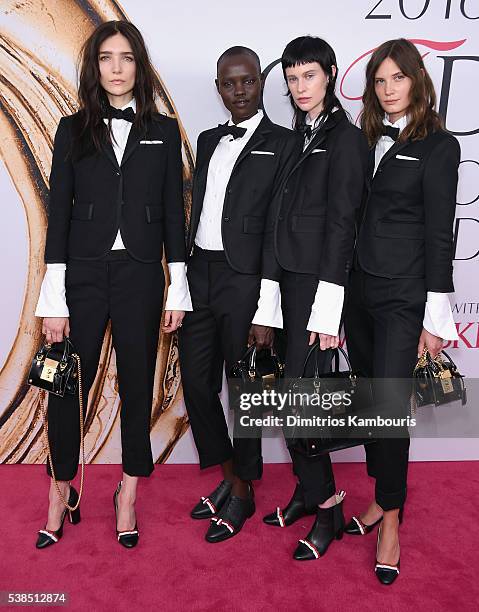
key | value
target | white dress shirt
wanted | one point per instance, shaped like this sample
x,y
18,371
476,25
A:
x,y
208,235
328,302
438,319
52,301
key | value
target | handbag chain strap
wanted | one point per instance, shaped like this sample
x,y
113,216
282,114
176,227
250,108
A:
x,y
82,439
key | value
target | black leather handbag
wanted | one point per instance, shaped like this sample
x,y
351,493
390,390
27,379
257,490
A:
x,y
56,368
347,385
437,381
258,366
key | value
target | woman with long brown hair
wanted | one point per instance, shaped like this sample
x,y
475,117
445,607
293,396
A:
x,y
115,202
398,295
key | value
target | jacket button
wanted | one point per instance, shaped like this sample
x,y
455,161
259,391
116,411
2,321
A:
x,y
280,218
226,219
230,190
286,190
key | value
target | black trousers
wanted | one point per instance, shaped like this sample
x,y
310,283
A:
x,y
383,322
315,474
130,294
224,303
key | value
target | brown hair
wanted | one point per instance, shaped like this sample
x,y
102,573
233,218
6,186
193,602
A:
x,y
92,97
423,118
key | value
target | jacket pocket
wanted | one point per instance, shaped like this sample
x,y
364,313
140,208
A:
x,y
399,229
82,212
253,225
405,163
308,223
154,214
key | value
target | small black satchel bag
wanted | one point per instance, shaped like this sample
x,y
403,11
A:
x,y
258,366
56,368
437,381
346,383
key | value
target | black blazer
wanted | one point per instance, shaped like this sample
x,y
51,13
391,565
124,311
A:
x,y
407,221
315,210
249,191
91,197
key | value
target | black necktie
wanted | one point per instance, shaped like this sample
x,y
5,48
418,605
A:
x,y
116,113
392,132
306,130
233,130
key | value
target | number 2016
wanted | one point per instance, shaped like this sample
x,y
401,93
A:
x,y
405,9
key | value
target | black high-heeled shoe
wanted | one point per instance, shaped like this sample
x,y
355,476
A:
x,y
357,527
295,510
128,539
386,574
46,537
329,525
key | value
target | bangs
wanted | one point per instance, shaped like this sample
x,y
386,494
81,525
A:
x,y
305,50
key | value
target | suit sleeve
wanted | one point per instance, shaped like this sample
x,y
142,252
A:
x,y
61,196
439,188
271,269
174,222
345,189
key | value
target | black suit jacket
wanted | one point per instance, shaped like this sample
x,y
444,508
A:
x,y
407,220
315,210
91,196
249,191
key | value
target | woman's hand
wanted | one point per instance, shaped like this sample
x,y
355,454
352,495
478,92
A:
x,y
173,320
325,340
55,328
430,342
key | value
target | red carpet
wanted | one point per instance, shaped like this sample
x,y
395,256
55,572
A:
x,y
173,568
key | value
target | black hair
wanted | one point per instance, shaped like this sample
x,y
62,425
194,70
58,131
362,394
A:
x,y
238,50
304,50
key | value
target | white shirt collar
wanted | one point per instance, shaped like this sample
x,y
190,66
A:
x,y
400,123
250,124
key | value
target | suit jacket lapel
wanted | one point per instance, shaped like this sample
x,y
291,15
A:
x,y
131,144
108,150
199,184
255,141
397,146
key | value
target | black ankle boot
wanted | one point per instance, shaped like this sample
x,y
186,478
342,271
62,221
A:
x,y
295,510
329,524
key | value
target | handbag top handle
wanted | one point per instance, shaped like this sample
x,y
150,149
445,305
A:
x,y
334,354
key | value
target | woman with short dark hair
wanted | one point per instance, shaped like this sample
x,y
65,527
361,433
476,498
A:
x,y
308,252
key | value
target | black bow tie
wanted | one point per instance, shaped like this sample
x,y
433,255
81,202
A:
x,y
392,132
233,130
116,113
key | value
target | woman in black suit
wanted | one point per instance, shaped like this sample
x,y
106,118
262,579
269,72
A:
x,y
115,202
308,257
398,303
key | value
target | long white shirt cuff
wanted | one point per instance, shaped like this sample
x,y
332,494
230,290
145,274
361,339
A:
x,y
438,319
327,309
52,301
269,311
178,295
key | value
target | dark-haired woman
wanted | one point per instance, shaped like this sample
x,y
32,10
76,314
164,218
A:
x,y
115,202
398,303
308,254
